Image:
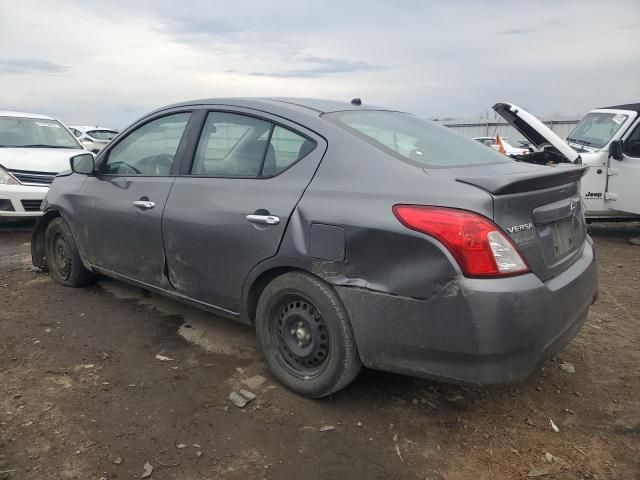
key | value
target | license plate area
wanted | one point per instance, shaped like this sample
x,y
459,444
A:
x,y
563,237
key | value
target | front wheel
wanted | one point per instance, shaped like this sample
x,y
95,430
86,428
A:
x,y
305,335
63,259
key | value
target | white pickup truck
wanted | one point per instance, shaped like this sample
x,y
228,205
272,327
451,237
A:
x,y
606,140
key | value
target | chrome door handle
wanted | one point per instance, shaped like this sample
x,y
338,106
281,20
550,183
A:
x,y
144,204
263,219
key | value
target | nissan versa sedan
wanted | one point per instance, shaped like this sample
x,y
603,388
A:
x,y
347,235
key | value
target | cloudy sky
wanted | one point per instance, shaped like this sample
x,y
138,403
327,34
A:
x,y
109,62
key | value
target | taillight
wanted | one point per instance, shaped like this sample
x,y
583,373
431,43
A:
x,y
478,245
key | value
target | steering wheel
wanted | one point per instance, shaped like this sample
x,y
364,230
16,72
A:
x,y
118,164
157,163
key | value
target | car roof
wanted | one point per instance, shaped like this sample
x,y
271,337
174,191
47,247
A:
x,y
8,113
299,105
634,107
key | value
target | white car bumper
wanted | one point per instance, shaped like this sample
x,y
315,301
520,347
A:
x,y
20,201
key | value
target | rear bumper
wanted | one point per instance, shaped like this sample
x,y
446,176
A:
x,y
478,331
21,201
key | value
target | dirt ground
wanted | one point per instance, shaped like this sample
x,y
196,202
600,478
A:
x,y
83,396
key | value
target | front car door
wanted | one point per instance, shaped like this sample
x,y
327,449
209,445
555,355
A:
x,y
623,192
119,210
229,208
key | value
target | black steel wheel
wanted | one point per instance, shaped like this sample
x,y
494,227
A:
x,y
62,257
300,334
305,335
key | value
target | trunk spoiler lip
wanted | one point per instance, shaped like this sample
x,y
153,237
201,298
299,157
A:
x,y
523,182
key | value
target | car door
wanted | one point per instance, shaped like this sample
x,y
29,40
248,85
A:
x,y
624,175
119,209
229,208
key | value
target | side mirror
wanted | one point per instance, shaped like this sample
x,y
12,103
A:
x,y
615,150
83,164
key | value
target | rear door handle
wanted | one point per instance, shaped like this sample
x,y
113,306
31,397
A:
x,y
144,204
263,219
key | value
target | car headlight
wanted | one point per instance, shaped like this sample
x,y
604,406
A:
x,y
6,178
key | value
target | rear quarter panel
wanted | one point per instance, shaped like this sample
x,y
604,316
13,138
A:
x,y
355,188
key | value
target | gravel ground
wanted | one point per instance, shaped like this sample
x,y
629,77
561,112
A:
x,y
83,394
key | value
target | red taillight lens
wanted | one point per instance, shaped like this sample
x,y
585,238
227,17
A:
x,y
478,245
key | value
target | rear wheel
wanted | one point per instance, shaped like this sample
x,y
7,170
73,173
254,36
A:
x,y
305,335
63,259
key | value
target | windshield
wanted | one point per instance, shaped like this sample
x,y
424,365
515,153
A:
x,y
422,143
35,132
102,134
597,129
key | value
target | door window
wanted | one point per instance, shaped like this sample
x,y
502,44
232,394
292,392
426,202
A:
x,y
632,144
231,145
150,149
285,149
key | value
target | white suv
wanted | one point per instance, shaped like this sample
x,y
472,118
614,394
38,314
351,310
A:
x,y
33,149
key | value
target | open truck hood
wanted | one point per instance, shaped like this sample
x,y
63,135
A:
x,y
534,130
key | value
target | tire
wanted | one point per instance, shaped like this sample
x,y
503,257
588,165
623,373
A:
x,y
63,259
305,335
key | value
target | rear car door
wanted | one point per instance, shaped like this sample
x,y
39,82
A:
x,y
624,175
119,210
230,205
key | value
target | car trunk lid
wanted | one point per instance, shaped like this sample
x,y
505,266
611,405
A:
x,y
538,207
541,211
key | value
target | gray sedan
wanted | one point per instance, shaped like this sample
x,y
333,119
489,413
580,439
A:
x,y
348,235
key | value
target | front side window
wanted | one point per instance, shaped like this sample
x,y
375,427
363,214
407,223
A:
x,y
21,132
233,145
150,149
597,129
632,144
419,142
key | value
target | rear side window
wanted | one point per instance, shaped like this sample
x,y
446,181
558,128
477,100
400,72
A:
x,y
286,148
416,141
234,145
231,145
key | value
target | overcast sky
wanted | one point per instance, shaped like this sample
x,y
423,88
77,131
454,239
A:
x,y
112,61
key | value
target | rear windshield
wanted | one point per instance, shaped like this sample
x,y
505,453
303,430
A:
x,y
597,128
102,134
420,142
35,132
